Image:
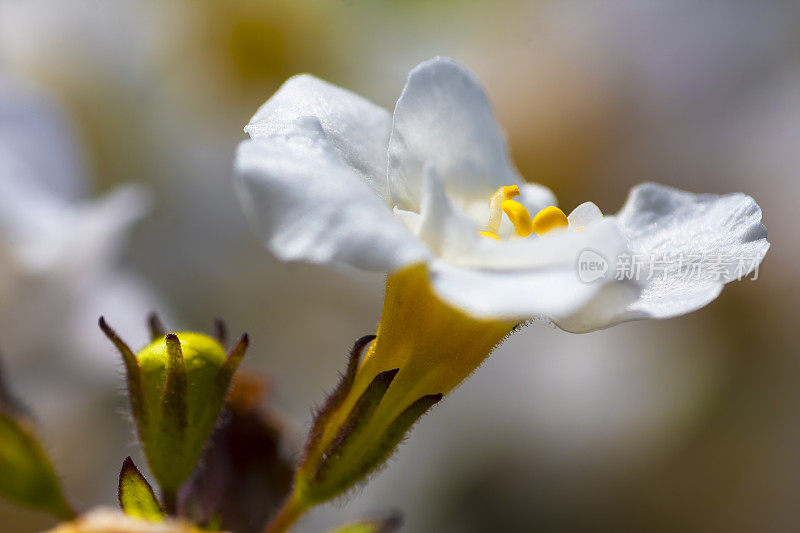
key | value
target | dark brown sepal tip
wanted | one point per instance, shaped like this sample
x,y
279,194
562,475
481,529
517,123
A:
x,y
232,362
156,327
221,331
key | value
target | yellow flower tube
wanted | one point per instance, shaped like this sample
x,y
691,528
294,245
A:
x,y
423,349
434,345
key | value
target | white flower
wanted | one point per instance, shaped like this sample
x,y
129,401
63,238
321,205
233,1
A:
x,y
58,250
330,178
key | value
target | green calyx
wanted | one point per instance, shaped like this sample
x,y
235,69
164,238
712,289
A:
x,y
362,441
176,386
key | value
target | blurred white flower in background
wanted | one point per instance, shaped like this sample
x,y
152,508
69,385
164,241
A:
x,y
59,271
59,249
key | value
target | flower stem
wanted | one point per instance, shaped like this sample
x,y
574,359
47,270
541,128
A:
x,y
288,514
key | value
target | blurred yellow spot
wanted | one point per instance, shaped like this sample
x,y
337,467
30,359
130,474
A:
x,y
549,219
489,234
518,216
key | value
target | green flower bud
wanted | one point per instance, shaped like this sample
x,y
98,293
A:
x,y
176,386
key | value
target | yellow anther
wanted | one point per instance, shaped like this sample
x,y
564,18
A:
x,y
506,192
489,234
509,191
518,216
549,219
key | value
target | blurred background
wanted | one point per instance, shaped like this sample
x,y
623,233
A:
x,y
118,124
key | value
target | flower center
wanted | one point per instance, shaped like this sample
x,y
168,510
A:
x,y
502,201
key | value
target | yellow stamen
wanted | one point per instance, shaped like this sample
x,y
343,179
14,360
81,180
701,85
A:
x,y
549,219
519,216
507,192
489,234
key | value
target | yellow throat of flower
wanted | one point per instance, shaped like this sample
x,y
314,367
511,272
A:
x,y
435,345
546,220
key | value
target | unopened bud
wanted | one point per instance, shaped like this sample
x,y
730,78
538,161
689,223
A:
x,y
176,385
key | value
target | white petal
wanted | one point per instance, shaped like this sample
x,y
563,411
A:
x,y
562,247
101,227
443,117
449,233
584,216
47,233
721,235
409,218
537,278
555,293
36,144
308,205
357,128
536,197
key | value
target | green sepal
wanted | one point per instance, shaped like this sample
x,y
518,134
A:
x,y
335,398
353,426
355,462
27,476
362,438
394,434
133,372
232,361
175,391
136,496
